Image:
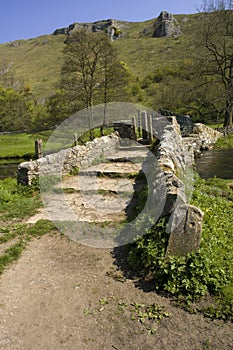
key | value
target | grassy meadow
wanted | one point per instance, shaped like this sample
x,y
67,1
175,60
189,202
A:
x,y
20,145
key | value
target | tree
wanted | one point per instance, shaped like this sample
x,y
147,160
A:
x,y
15,113
91,73
215,37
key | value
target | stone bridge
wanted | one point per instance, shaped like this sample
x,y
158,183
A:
x,y
106,172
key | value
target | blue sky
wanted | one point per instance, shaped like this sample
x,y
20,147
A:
x,y
23,19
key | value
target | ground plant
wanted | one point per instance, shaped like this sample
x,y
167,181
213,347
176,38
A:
x,y
201,281
225,142
16,204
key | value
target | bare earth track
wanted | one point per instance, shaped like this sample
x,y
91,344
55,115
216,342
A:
x,y
61,295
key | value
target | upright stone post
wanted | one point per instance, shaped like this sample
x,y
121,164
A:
x,y
75,139
144,125
150,128
38,149
185,228
139,124
134,125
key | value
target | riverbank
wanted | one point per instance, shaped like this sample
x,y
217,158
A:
x,y
225,142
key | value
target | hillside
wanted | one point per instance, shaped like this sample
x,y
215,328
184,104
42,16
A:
x,y
36,62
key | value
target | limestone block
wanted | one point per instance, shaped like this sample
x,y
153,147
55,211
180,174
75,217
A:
x,y
185,228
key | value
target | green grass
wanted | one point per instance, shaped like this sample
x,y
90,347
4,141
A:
x,y
225,142
11,255
17,203
36,61
20,145
216,125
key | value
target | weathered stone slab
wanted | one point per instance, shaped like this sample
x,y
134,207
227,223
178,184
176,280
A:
x,y
185,228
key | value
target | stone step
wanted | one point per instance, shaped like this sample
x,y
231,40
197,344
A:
x,y
89,198
117,169
85,208
128,155
90,183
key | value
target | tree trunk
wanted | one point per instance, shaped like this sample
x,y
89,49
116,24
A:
x,y
228,114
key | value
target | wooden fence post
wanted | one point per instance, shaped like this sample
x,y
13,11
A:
x,y
39,149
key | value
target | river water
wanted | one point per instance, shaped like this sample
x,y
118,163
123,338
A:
x,y
8,168
217,163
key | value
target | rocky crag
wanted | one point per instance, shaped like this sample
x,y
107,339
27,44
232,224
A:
x,y
164,25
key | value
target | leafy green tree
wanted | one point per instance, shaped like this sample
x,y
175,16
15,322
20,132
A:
x,y
20,111
91,72
15,113
215,42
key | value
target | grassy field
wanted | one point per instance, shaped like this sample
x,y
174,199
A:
x,y
23,145
20,145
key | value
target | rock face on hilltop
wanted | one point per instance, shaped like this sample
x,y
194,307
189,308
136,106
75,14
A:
x,y
110,26
164,26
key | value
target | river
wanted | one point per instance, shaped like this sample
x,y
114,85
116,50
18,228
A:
x,y
217,163
8,168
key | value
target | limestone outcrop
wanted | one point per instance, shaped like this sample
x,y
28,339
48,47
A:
x,y
165,25
112,27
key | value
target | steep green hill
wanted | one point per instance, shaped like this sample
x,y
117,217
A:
x,y
36,62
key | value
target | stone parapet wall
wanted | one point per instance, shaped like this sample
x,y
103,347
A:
x,y
172,181
65,161
202,139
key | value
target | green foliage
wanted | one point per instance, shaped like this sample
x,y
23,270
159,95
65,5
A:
x,y
144,313
21,145
11,255
148,315
20,111
40,228
225,142
16,201
206,272
14,111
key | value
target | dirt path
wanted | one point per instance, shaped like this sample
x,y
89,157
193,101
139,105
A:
x,y
61,295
